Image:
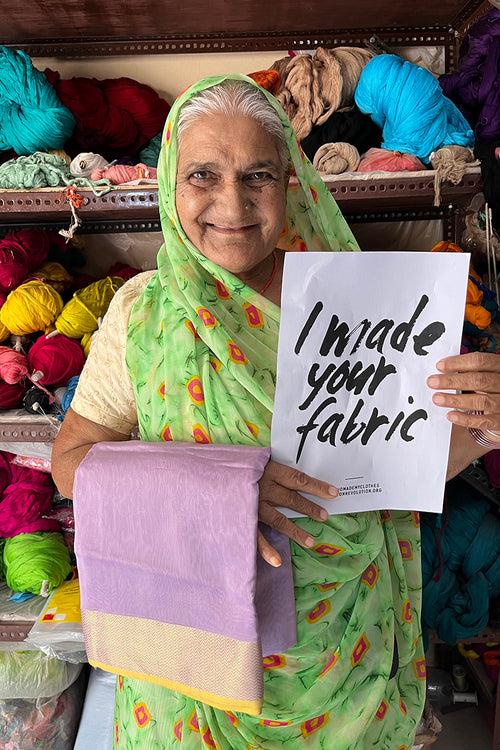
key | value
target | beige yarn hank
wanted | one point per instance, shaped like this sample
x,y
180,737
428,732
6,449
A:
x,y
315,86
336,158
450,163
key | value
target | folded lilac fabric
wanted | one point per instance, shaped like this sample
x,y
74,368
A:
x,y
172,588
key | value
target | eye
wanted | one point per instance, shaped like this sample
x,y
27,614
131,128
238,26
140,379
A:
x,y
259,178
201,176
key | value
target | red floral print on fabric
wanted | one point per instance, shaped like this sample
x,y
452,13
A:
x,y
166,434
207,318
420,669
208,740
312,725
195,390
141,715
330,664
381,711
328,550
200,436
255,318
253,429
221,290
274,661
407,614
359,650
319,611
371,575
189,325
235,353
327,586
193,722
406,549
178,730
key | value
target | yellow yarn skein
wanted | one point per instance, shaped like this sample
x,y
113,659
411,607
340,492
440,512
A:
x,y
31,307
54,275
86,342
4,333
81,313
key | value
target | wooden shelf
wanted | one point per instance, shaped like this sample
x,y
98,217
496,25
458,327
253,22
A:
x,y
17,426
385,196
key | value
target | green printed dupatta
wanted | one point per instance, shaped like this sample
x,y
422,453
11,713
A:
x,y
201,352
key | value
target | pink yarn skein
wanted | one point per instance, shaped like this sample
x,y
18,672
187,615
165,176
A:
x,y
119,174
13,365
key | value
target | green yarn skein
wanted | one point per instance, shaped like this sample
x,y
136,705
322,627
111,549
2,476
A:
x,y
32,117
42,170
151,151
36,563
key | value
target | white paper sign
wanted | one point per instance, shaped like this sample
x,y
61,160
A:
x,y
360,333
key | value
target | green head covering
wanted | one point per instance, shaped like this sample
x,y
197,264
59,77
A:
x,y
202,344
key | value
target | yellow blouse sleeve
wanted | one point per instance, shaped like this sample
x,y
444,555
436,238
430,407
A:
x,y
104,393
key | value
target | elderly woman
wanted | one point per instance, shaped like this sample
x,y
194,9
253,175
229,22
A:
x,y
356,677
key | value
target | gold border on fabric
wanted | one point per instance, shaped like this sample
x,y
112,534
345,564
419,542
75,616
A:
x,y
253,708
221,671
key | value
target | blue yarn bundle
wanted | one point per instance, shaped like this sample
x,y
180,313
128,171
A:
x,y
407,102
31,116
68,396
460,565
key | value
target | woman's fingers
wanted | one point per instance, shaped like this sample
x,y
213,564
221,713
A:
x,y
473,362
297,480
484,402
276,494
479,421
467,381
267,551
276,520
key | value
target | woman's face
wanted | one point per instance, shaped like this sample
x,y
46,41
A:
x,y
231,190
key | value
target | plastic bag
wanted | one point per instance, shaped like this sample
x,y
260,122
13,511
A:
x,y
96,725
58,630
42,724
20,611
31,674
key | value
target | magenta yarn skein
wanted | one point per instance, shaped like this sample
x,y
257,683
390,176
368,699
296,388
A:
x,y
58,357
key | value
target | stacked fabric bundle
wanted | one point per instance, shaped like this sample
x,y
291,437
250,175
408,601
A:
x,y
34,558
475,88
45,326
41,113
460,564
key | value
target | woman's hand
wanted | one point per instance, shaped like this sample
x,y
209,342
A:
x,y
280,486
479,375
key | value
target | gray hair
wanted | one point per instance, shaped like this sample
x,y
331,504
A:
x,y
237,98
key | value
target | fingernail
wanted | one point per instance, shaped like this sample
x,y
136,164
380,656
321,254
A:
x,y
275,561
309,542
333,491
452,417
438,398
433,381
440,365
324,515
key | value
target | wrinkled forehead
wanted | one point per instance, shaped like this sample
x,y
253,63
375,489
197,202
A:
x,y
227,140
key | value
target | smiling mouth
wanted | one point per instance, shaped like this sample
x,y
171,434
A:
x,y
232,230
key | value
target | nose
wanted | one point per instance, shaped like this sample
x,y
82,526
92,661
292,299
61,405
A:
x,y
233,204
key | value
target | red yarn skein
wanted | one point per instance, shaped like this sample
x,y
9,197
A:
x,y
5,470
11,396
35,242
114,117
123,271
57,357
23,502
14,264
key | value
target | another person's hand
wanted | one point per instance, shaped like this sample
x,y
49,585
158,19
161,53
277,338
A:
x,y
280,487
478,374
